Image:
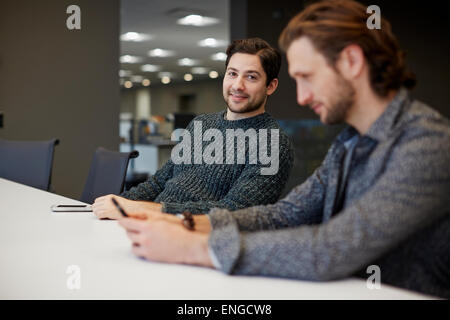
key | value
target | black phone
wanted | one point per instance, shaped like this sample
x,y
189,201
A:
x,y
71,208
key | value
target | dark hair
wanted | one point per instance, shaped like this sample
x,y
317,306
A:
x,y
269,57
333,25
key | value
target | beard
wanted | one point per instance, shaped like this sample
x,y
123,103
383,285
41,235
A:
x,y
344,94
248,107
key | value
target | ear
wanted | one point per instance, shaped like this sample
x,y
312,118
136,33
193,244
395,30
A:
x,y
273,85
351,61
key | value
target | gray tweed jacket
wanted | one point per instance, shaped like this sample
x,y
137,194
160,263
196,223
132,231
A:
x,y
394,212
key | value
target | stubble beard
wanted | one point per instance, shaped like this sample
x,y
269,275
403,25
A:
x,y
248,107
345,98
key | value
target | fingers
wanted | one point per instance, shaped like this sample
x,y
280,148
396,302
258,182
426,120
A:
x,y
106,199
103,207
138,215
138,244
133,225
103,198
136,238
139,251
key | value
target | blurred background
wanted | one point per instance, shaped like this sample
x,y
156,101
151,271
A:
x,y
138,69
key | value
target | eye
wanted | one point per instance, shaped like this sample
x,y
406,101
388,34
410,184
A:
x,y
306,76
231,73
251,77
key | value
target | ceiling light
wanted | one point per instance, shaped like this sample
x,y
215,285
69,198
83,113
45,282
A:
x,y
199,70
134,36
136,78
188,77
161,53
150,68
130,59
211,42
146,82
197,20
213,74
166,74
165,80
219,56
128,84
187,62
125,73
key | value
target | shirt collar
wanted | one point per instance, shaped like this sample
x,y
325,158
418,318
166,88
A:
x,y
382,127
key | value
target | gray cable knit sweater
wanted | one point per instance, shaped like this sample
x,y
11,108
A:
x,y
197,188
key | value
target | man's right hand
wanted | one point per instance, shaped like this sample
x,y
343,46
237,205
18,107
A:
x,y
104,208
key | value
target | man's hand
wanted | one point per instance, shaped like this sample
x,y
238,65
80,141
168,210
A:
x,y
162,237
104,208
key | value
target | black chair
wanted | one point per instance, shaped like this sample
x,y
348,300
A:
x,y
107,173
28,162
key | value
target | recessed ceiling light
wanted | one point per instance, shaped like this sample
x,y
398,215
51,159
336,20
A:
x,y
187,62
219,56
130,59
199,70
146,82
128,84
158,52
188,77
135,36
213,74
211,42
197,20
150,68
165,80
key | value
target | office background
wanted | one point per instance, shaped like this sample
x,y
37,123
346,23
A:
x,y
62,83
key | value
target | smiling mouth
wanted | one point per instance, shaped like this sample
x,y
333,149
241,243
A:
x,y
236,96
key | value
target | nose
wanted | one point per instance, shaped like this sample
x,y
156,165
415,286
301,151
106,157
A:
x,y
304,95
238,84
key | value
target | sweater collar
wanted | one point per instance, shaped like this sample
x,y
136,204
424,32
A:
x,y
246,122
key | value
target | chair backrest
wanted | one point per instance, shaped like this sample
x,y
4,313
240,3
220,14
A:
x,y
107,173
27,162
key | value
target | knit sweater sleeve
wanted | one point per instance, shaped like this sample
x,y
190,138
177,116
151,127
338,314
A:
x,y
151,188
250,189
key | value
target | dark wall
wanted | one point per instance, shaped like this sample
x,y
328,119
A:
x,y
60,83
266,19
421,29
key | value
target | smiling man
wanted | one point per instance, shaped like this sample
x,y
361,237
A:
x,y
381,195
242,180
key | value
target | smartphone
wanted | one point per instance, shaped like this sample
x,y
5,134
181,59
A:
x,y
71,208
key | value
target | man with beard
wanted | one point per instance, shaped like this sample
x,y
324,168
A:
x,y
379,201
252,68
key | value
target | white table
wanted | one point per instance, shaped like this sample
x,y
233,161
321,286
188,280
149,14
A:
x,y
37,246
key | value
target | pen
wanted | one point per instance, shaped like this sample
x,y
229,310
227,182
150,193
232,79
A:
x,y
119,208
